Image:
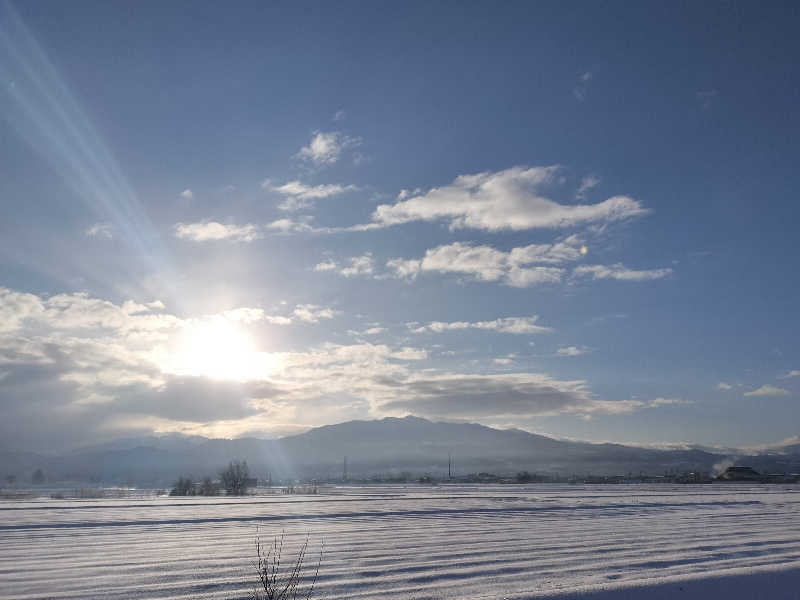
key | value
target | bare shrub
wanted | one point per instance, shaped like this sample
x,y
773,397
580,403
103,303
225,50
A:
x,y
282,583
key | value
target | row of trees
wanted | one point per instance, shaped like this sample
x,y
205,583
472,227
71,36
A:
x,y
36,479
234,479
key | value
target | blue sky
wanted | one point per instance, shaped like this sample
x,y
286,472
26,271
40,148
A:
x,y
572,218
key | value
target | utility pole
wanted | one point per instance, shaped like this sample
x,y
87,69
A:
x,y
449,465
344,472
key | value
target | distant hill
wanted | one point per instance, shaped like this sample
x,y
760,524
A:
x,y
386,446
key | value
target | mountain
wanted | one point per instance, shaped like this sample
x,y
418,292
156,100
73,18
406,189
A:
x,y
386,446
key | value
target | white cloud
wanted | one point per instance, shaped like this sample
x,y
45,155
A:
x,y
620,272
768,390
308,313
325,148
571,351
513,325
311,313
375,330
506,200
407,353
792,373
587,183
723,386
187,193
212,231
667,402
326,265
339,115
278,319
103,230
358,265
77,367
300,195
403,268
504,361
404,193
500,395
527,277
299,225
485,263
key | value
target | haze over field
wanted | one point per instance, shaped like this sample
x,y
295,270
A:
x,y
576,220
399,449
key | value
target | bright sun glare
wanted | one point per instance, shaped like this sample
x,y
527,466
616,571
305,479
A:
x,y
219,349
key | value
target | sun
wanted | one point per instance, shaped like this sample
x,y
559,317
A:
x,y
219,349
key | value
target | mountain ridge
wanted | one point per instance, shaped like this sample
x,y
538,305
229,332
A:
x,y
383,446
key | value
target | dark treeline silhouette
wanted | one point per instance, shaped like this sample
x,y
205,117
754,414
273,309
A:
x,y
234,479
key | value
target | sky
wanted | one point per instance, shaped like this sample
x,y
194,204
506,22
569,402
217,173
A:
x,y
573,218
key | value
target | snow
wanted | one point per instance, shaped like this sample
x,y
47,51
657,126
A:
x,y
648,542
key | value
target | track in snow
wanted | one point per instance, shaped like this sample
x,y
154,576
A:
x,y
405,542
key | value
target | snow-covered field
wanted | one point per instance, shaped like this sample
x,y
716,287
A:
x,y
536,541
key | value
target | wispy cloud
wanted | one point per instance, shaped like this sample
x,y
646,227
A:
x,y
505,361
299,225
326,265
514,325
353,267
374,330
667,402
311,313
620,272
582,86
300,195
187,193
326,147
768,390
572,351
506,200
207,231
103,230
706,98
792,373
723,386
587,183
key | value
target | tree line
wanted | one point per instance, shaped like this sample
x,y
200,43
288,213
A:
x,y
234,480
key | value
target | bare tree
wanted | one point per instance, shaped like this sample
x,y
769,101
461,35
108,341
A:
x,y
275,583
208,487
234,478
183,487
38,477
